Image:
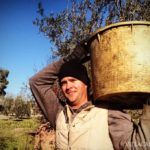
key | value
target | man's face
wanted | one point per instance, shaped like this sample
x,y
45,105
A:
x,y
75,91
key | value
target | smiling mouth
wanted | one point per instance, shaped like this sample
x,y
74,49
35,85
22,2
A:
x,y
70,92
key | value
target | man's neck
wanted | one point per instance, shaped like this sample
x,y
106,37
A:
x,y
79,105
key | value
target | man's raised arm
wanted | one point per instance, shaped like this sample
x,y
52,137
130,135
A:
x,y
41,86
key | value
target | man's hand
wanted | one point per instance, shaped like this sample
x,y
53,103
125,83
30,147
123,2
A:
x,y
80,53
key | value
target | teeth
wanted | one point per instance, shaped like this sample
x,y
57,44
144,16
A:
x,y
70,92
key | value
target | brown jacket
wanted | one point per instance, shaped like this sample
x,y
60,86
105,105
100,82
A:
x,y
124,134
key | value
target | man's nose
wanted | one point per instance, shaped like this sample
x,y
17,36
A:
x,y
68,85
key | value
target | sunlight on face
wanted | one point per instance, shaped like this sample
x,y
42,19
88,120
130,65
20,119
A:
x,y
75,91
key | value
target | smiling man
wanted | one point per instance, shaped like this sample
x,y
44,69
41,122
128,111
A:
x,y
79,124
75,91
74,81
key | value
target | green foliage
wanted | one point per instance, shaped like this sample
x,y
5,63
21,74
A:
x,y
17,134
76,23
128,10
11,124
8,105
22,108
3,81
18,107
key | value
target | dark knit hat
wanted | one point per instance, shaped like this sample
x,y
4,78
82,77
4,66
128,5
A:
x,y
74,69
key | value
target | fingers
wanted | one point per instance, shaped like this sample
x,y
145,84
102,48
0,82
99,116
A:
x,y
85,59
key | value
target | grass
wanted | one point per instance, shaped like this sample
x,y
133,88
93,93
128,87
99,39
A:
x,y
17,134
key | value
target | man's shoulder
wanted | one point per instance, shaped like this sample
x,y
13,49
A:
x,y
93,109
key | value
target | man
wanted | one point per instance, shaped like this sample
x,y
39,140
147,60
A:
x,y
79,124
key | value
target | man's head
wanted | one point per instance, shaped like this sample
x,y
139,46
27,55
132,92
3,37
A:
x,y
74,81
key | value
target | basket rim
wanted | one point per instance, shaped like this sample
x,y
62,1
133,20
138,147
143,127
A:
x,y
117,25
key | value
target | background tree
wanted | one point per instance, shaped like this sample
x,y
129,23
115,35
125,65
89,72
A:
x,y
76,23
8,105
3,81
28,97
22,108
16,107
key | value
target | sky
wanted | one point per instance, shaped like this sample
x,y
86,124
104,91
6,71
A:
x,y
22,47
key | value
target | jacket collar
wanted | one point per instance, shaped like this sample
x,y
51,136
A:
x,y
70,113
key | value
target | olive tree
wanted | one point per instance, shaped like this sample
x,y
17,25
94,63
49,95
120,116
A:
x,y
3,81
77,22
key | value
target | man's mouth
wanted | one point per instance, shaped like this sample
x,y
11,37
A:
x,y
70,92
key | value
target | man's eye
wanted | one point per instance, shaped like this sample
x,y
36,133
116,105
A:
x,y
62,83
73,80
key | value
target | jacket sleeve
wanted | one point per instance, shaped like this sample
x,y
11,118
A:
x,y
41,87
127,136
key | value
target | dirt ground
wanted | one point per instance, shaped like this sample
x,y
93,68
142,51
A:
x,y
3,117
